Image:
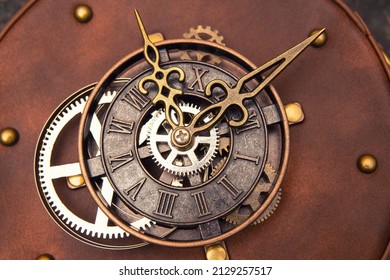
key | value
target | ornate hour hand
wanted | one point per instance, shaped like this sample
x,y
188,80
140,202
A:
x,y
235,95
166,94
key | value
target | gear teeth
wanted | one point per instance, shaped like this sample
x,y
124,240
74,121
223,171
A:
x,y
200,30
52,130
217,168
235,218
110,93
197,34
158,119
271,208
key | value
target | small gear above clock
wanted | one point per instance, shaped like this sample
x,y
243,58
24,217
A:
x,y
203,33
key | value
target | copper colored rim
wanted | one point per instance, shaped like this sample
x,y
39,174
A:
x,y
358,21
16,18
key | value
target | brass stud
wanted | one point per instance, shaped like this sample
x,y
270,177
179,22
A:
x,y
321,40
156,37
76,181
9,136
216,252
83,13
294,113
367,164
45,257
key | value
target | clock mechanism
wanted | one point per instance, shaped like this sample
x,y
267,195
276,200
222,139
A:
x,y
182,143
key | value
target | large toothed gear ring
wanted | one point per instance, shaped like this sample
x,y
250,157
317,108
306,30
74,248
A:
x,y
98,232
174,160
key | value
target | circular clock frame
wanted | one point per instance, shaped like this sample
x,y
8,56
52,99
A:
x,y
132,62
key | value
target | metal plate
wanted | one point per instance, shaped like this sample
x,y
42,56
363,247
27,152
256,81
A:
x,y
329,210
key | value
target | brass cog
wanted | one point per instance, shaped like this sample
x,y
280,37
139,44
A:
x,y
217,167
270,209
202,33
237,217
207,34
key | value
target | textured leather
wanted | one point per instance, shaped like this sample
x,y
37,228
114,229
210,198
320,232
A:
x,y
329,210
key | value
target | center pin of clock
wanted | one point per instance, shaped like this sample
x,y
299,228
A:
x,y
181,138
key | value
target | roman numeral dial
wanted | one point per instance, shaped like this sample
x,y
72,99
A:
x,y
161,181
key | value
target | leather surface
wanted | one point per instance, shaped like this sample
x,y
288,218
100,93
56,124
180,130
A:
x,y
329,210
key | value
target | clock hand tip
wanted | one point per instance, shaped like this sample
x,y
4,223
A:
x,y
318,33
140,24
137,14
322,30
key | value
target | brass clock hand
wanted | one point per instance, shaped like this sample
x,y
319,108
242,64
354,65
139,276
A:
x,y
166,94
235,96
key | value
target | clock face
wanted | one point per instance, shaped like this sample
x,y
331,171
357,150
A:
x,y
207,189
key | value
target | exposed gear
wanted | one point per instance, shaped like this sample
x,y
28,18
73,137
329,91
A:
x,y
265,186
202,33
217,168
270,209
238,216
47,173
207,34
173,160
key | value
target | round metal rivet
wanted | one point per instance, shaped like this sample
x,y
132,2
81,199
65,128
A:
x,y
9,136
216,252
76,181
83,13
45,257
321,40
294,113
367,164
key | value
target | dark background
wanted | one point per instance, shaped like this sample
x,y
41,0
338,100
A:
x,y
376,14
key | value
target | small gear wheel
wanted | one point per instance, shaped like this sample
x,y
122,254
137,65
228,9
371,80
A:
x,y
174,160
270,209
238,217
202,33
207,34
218,167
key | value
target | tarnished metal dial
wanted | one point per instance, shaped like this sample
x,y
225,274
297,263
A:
x,y
188,189
140,181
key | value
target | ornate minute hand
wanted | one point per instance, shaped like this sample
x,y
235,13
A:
x,y
166,94
235,96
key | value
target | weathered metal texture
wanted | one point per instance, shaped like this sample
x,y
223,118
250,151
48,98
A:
x,y
330,210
